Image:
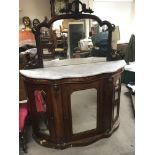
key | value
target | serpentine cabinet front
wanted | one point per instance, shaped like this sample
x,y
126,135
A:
x,y
50,106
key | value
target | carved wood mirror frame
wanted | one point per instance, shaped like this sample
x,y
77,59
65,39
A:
x,y
71,11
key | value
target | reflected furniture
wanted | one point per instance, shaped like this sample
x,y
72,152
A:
x,y
64,27
55,100
53,45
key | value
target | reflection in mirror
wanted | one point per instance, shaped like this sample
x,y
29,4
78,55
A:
x,y
115,112
84,110
41,111
54,42
70,38
48,40
116,95
117,84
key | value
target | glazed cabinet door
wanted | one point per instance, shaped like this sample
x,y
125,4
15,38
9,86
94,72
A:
x,y
116,98
83,109
41,112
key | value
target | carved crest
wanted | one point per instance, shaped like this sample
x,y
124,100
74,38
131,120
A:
x,y
74,8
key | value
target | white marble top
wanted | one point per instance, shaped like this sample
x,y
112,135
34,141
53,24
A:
x,y
70,68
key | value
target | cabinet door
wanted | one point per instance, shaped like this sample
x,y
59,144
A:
x,y
81,105
84,110
41,111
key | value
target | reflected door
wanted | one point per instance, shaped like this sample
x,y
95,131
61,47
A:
x,y
76,32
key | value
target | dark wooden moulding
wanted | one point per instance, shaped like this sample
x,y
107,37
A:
x,y
58,100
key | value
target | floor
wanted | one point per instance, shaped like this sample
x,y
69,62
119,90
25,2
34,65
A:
x,y
122,142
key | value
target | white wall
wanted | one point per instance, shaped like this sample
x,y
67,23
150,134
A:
x,y
34,9
118,12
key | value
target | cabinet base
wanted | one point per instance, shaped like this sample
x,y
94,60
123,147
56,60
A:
x,y
77,143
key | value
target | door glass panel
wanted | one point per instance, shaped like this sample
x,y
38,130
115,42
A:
x,y
117,84
116,95
84,110
115,112
41,108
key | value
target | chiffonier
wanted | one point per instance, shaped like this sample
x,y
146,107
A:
x,y
75,101
74,104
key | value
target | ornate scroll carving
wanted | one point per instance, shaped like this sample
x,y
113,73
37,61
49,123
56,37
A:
x,y
71,11
76,4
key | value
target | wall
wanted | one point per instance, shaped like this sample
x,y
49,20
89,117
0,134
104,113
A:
x,y
34,9
118,12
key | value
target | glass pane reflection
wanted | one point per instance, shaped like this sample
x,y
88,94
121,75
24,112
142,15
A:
x,y
115,112
84,110
41,111
116,95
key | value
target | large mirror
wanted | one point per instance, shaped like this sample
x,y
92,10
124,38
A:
x,y
84,110
70,38
74,33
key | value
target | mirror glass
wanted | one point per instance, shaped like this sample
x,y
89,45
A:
x,y
84,110
116,95
41,108
117,82
115,112
70,38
